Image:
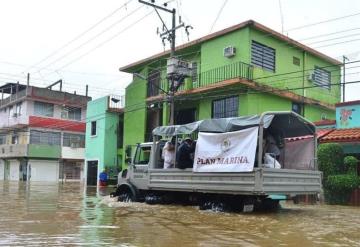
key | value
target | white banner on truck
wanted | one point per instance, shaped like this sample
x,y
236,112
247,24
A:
x,y
226,152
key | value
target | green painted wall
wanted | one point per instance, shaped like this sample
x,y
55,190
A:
x,y
315,113
212,52
209,55
258,103
103,146
135,112
44,151
295,76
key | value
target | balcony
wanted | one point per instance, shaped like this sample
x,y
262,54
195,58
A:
x,y
238,70
13,150
56,97
116,103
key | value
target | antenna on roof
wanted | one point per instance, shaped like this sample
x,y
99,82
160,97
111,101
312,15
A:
x,y
281,18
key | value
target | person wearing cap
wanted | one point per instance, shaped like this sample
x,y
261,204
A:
x,y
168,153
184,153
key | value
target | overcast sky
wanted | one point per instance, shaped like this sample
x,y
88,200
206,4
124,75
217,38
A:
x,y
49,38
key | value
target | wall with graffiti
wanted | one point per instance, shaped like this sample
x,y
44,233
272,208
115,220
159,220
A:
x,y
348,116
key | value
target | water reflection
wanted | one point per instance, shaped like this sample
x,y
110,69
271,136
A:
x,y
69,214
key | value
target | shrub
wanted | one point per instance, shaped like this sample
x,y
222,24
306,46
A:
x,y
338,188
330,158
350,165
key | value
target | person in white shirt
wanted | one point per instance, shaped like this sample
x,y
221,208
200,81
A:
x,y
168,153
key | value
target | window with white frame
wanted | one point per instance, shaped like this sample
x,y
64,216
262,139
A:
x,y
322,77
69,112
73,140
11,111
18,109
93,128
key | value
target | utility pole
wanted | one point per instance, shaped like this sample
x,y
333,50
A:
x,y
170,35
343,87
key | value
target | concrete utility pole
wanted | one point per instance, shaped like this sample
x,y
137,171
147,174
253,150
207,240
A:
x,y
343,87
169,34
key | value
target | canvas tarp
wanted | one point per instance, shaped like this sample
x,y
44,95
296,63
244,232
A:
x,y
285,124
220,125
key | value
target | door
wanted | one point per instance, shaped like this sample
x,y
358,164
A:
x,y
23,170
92,172
43,170
14,173
140,167
7,170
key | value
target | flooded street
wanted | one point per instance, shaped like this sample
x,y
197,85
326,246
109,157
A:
x,y
67,214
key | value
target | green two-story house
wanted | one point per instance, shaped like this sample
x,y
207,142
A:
x,y
242,70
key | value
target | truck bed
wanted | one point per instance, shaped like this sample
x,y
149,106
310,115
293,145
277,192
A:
x,y
261,181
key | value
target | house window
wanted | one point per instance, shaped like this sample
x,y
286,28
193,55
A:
x,y
43,109
2,139
73,140
296,107
11,111
322,77
153,83
263,56
228,107
14,139
194,74
93,128
73,113
18,109
296,61
45,138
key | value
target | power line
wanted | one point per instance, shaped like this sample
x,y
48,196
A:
x,y
322,22
218,15
328,34
92,38
343,42
81,34
106,41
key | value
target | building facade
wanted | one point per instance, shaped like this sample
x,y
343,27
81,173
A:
x,y
242,70
104,137
42,134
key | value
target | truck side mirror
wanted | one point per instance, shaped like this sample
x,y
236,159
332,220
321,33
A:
x,y
128,160
128,151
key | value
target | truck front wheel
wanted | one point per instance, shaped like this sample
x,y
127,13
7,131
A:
x,y
126,194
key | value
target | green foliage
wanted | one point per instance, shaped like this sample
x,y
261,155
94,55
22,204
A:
x,y
330,157
338,188
340,174
342,182
350,165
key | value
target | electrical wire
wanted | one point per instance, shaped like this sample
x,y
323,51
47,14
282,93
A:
x,y
81,34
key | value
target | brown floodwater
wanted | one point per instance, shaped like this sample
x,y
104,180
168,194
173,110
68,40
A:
x,y
44,214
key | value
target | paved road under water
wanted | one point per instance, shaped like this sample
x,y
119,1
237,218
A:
x,y
41,214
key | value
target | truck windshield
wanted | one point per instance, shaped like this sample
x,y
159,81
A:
x,y
142,155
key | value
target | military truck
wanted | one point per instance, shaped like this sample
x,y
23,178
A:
x,y
210,179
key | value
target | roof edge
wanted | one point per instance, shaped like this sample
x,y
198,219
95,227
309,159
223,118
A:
x,y
229,30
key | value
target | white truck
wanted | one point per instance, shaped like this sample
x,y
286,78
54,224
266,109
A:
x,y
146,178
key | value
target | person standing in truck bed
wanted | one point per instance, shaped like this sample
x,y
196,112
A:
x,y
168,153
184,154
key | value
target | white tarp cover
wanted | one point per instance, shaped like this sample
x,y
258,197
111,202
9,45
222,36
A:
x,y
226,152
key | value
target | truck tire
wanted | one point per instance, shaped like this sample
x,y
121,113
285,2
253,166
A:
x,y
126,193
